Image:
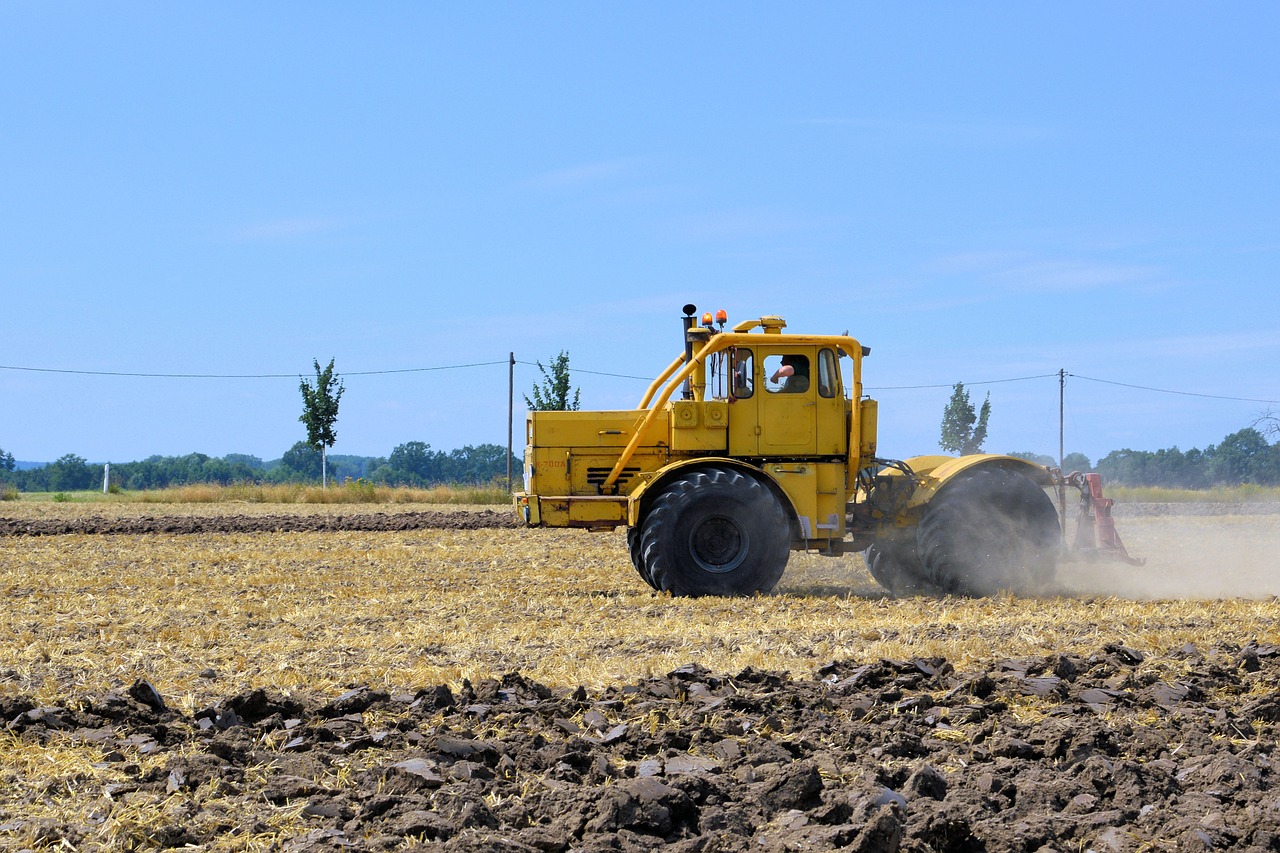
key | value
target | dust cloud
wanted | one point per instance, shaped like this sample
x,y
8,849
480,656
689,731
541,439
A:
x,y
1198,551
1193,551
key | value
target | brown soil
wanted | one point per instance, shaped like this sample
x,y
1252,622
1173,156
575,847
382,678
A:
x,y
1053,753
273,523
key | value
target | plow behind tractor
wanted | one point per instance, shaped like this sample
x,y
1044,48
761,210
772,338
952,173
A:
x,y
1096,536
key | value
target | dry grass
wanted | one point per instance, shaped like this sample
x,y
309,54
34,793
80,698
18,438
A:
x,y
1218,494
325,611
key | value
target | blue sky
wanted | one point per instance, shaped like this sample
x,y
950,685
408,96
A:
x,y
979,191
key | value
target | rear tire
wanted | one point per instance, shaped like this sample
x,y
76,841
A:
x,y
993,531
715,532
893,562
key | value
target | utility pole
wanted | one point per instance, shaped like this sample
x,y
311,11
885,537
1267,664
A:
x,y
1062,457
1062,393
511,396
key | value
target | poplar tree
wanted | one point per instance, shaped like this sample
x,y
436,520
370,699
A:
x,y
963,430
320,411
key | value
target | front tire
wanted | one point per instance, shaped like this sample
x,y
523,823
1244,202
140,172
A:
x,y
637,556
715,531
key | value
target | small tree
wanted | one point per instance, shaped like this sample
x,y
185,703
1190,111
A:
x,y
552,394
320,411
963,431
7,462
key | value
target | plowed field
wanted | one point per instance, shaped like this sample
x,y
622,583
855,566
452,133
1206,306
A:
x,y
378,681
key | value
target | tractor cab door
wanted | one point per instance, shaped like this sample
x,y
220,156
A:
x,y
787,411
786,401
772,412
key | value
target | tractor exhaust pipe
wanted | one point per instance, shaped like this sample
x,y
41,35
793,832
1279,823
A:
x,y
689,319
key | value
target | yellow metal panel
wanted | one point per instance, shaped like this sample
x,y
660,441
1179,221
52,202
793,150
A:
x,y
868,424
684,414
831,500
547,469
598,512
715,414
833,432
578,511
937,471
591,429
800,482
554,512
699,426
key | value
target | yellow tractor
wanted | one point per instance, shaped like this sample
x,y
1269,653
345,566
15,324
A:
x,y
755,442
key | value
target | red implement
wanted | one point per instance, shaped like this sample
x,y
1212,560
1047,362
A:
x,y
1095,528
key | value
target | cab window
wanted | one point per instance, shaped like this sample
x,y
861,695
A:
x,y
787,373
828,374
741,374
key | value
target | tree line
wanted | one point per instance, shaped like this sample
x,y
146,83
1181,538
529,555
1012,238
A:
x,y
1242,458
411,464
1245,457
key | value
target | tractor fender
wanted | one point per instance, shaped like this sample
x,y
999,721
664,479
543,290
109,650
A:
x,y
638,501
937,472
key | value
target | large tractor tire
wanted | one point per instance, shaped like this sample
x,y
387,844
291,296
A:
x,y
993,531
715,531
893,562
637,556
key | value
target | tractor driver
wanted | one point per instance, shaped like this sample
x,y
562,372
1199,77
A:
x,y
794,374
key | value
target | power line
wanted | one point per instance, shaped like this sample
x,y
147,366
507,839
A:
x,y
612,375
1168,391
242,375
592,372
952,384
424,369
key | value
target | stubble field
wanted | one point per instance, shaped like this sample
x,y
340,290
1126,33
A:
x,y
504,688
